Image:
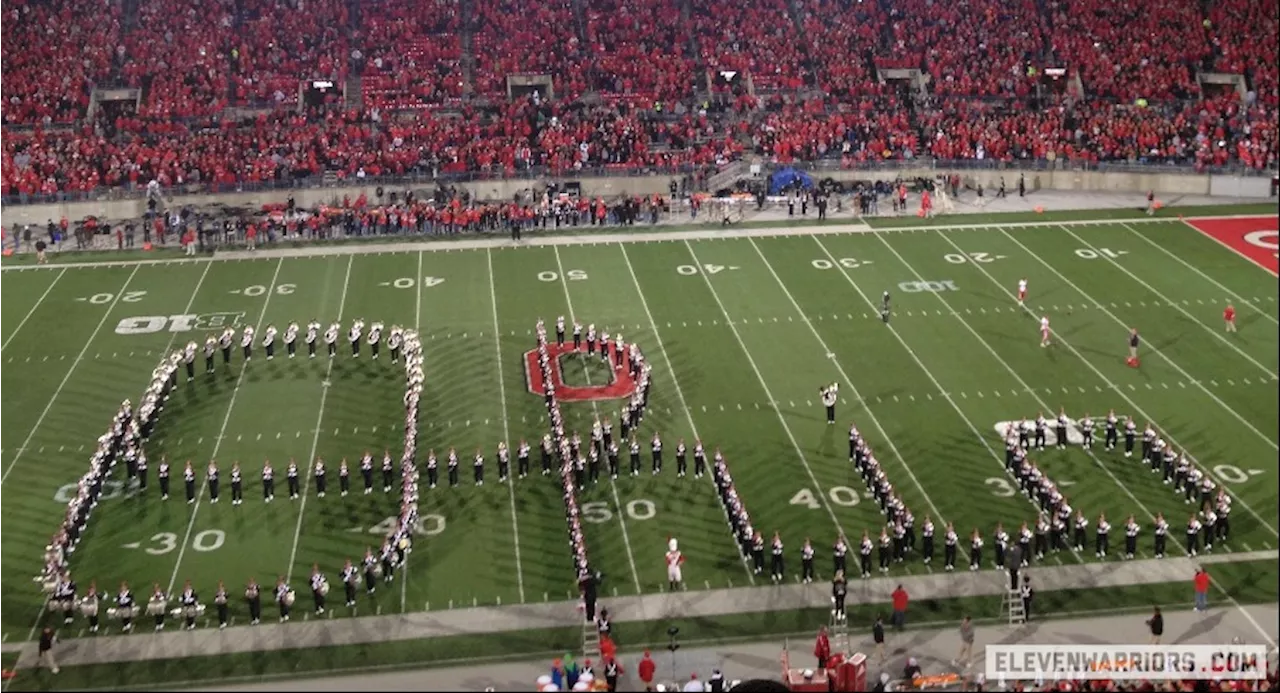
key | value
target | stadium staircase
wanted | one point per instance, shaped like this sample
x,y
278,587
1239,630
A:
x,y
1013,602
838,636
590,641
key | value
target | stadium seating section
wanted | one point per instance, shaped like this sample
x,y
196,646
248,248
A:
x,y
636,85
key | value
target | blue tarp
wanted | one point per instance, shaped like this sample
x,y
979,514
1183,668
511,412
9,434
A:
x,y
786,177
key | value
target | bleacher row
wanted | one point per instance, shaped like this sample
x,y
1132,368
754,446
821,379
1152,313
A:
x,y
192,61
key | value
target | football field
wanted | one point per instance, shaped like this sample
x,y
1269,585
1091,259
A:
x,y
741,333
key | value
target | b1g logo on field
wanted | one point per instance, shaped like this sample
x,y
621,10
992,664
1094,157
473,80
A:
x,y
622,384
150,324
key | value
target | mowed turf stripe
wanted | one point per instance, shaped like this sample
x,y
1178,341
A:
x,y
1193,421
68,435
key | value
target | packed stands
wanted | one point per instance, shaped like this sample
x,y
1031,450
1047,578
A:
x,y
631,82
412,55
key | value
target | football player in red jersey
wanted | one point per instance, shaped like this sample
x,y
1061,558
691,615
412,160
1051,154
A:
x,y
1229,317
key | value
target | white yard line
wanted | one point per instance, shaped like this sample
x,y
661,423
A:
x,y
1110,384
67,377
804,461
315,439
1217,334
1248,260
1239,299
506,424
845,376
31,312
244,368
617,501
693,427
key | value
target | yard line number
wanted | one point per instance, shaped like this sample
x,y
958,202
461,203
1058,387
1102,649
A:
x,y
1094,254
1231,474
410,282
575,275
1000,487
979,258
840,495
427,525
845,262
105,298
259,290
600,513
165,542
691,270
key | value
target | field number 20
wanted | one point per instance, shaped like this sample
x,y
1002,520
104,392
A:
x,y
208,540
126,297
599,512
845,262
840,495
961,258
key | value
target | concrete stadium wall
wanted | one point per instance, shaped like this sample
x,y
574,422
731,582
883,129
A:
x,y
1062,180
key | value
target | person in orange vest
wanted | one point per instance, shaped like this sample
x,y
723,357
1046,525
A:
x,y
822,648
646,670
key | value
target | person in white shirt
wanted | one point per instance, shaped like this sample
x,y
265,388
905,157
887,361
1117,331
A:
x,y
694,685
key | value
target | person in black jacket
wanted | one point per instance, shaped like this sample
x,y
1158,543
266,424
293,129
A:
x,y
838,592
877,635
1156,625
587,583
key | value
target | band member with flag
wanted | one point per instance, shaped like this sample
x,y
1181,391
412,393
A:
x,y
253,597
313,332
189,479
318,471
268,482
284,598
319,588
350,578
291,476
291,339
246,342
220,604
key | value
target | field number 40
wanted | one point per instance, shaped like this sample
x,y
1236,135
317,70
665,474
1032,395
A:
x,y
840,495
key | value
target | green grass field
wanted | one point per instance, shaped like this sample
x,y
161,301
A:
x,y
741,334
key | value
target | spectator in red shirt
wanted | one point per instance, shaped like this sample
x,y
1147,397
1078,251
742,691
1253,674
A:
x,y
646,670
899,608
1202,589
822,648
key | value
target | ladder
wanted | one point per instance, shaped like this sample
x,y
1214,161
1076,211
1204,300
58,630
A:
x,y
1013,598
590,641
838,633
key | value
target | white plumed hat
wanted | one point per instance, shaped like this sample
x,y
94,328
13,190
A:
x,y
673,545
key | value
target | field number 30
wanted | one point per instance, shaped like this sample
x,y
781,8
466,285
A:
x,y
208,540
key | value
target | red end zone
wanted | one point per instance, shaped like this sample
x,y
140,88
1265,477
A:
x,y
1254,238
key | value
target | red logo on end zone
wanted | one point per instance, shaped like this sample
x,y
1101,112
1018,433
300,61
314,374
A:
x,y
622,385
1256,239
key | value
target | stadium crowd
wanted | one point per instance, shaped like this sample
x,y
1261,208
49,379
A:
x,y
803,86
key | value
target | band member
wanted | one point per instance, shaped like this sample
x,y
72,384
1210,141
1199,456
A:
x,y
350,578
949,542
886,309
1081,526
319,588
1042,427
371,570
1063,423
681,463
577,336
253,596
344,478
591,340
189,479
366,471
318,471
210,350
864,554
211,479
1193,535
433,472
156,606
268,482
190,605
453,468
1086,430
1102,536
757,552
1000,544
886,550
560,331
1022,291
162,475
546,454
830,395
504,462
1111,432
1045,332
331,338
189,358
313,331
225,342
604,346
284,598
478,468
64,597
220,604
237,491
353,336
926,534
699,460
975,550
246,342
613,460
291,476
141,469
1130,538
838,555
522,459
635,457
394,342
269,341
593,465
806,562
1130,433
387,557
125,606
375,338
656,447
89,606
291,339
388,471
